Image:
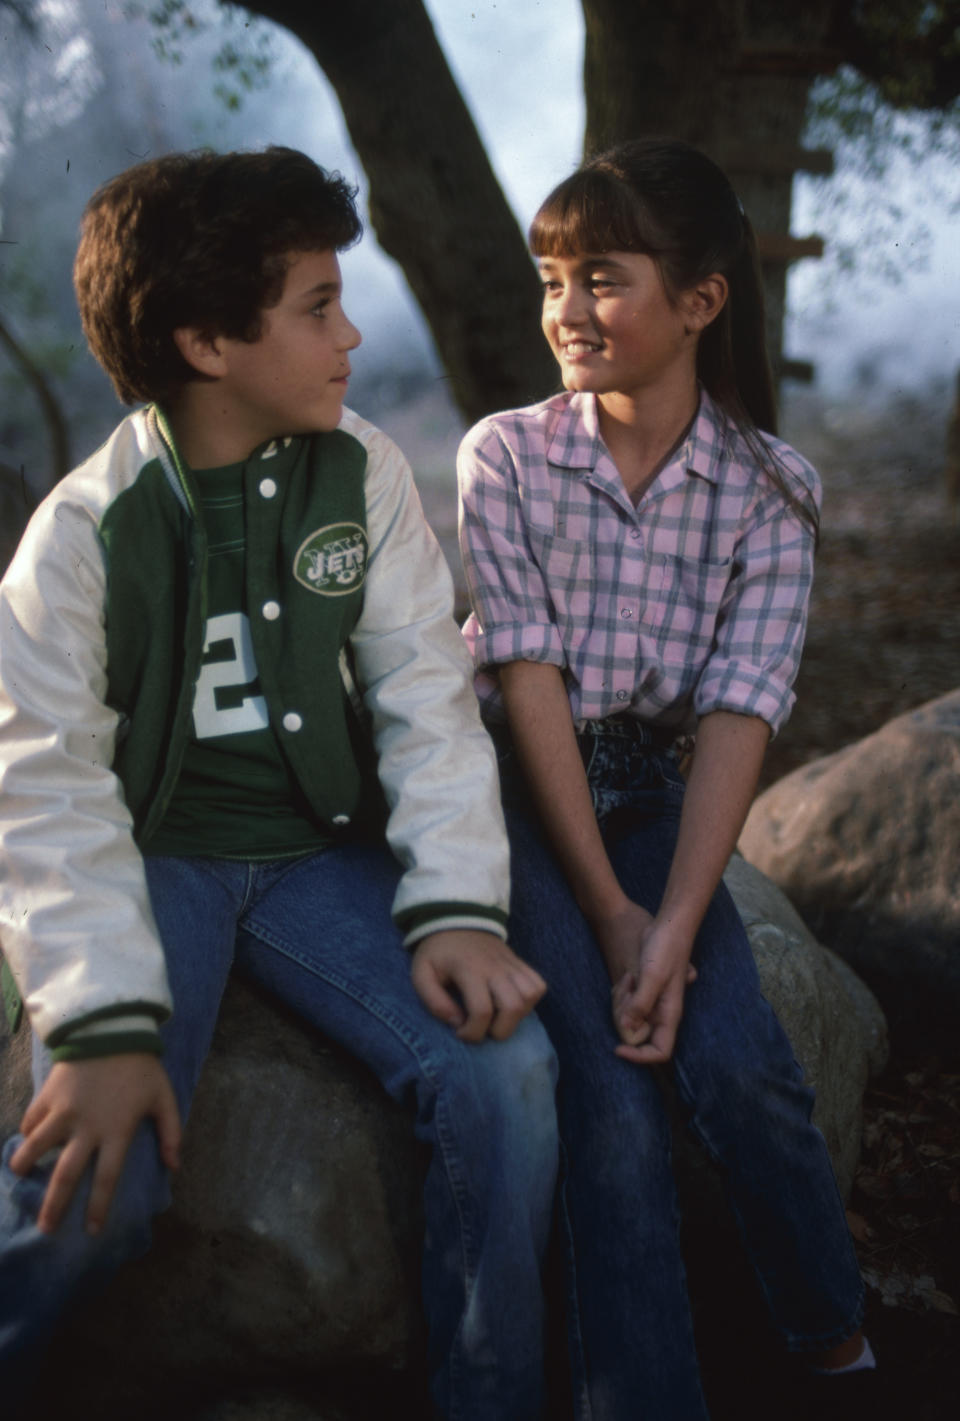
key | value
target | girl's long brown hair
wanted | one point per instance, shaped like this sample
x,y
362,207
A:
x,y
666,199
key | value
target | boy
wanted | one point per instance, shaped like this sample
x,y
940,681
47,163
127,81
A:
x,y
229,678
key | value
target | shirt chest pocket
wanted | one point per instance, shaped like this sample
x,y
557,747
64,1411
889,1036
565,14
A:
x,y
566,566
684,601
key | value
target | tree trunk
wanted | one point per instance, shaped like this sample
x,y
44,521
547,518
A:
x,y
434,201
731,77
49,404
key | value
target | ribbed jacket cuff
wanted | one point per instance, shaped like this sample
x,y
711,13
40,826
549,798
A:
x,y
429,918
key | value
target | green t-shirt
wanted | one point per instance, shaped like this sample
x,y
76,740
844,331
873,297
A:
x,y
235,797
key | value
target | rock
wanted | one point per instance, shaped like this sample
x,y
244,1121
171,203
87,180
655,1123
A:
x,y
274,1405
15,1082
834,1023
291,1254
866,844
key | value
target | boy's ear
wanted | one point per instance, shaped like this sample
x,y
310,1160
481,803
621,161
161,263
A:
x,y
704,302
201,350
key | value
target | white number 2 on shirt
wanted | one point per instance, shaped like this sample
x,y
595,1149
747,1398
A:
x,y
239,670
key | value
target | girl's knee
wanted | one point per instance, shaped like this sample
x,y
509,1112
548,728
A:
x,y
620,1148
739,1097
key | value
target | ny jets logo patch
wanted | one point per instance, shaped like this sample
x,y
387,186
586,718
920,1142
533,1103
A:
x,y
333,560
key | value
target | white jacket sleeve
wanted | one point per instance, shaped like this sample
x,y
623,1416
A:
x,y
75,919
436,761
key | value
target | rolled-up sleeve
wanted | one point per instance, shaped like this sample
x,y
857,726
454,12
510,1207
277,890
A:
x,y
762,619
512,606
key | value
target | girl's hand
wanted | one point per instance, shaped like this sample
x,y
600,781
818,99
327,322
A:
x,y
650,970
648,1005
620,932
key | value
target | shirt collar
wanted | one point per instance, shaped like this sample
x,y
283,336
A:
x,y
704,447
576,442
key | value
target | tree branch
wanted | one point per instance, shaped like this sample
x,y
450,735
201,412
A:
x,y
52,413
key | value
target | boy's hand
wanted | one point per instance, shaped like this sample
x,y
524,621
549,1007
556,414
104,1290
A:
x,y
474,981
89,1108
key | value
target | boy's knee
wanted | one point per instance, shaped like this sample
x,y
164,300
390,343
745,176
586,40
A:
x,y
526,1085
508,1087
526,1063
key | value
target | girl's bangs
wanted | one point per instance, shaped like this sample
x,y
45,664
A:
x,y
591,211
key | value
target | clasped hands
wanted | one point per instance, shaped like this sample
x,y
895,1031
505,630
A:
x,y
649,964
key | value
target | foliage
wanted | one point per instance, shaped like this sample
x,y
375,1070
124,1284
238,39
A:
x,y
879,222
847,109
245,59
909,48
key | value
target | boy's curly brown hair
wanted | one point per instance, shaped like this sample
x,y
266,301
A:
x,y
198,239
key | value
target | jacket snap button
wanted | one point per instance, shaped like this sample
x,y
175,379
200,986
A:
x,y
267,488
271,610
292,721
341,819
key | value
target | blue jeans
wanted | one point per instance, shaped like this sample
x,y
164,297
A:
x,y
741,1091
316,931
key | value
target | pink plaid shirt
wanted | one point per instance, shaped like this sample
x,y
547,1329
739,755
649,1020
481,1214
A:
x,y
693,601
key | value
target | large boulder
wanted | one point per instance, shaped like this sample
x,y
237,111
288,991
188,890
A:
x,y
834,1023
866,844
291,1253
290,1256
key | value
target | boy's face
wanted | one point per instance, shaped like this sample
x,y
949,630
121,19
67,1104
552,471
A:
x,y
293,378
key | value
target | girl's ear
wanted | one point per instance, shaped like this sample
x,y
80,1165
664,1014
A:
x,y
704,302
201,350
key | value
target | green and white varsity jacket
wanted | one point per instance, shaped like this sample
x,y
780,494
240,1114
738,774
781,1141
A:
x,y
102,618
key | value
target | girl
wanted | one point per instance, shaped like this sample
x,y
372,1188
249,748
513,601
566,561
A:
x,y
639,561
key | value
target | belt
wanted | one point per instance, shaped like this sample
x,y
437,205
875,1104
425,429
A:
x,y
628,727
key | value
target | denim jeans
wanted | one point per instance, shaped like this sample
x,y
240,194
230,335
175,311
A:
x,y
317,932
737,1082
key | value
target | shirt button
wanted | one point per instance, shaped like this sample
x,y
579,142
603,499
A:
x,y
267,488
292,721
271,610
634,533
341,819
623,695
624,612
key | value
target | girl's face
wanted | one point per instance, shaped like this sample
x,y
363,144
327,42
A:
x,y
612,327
